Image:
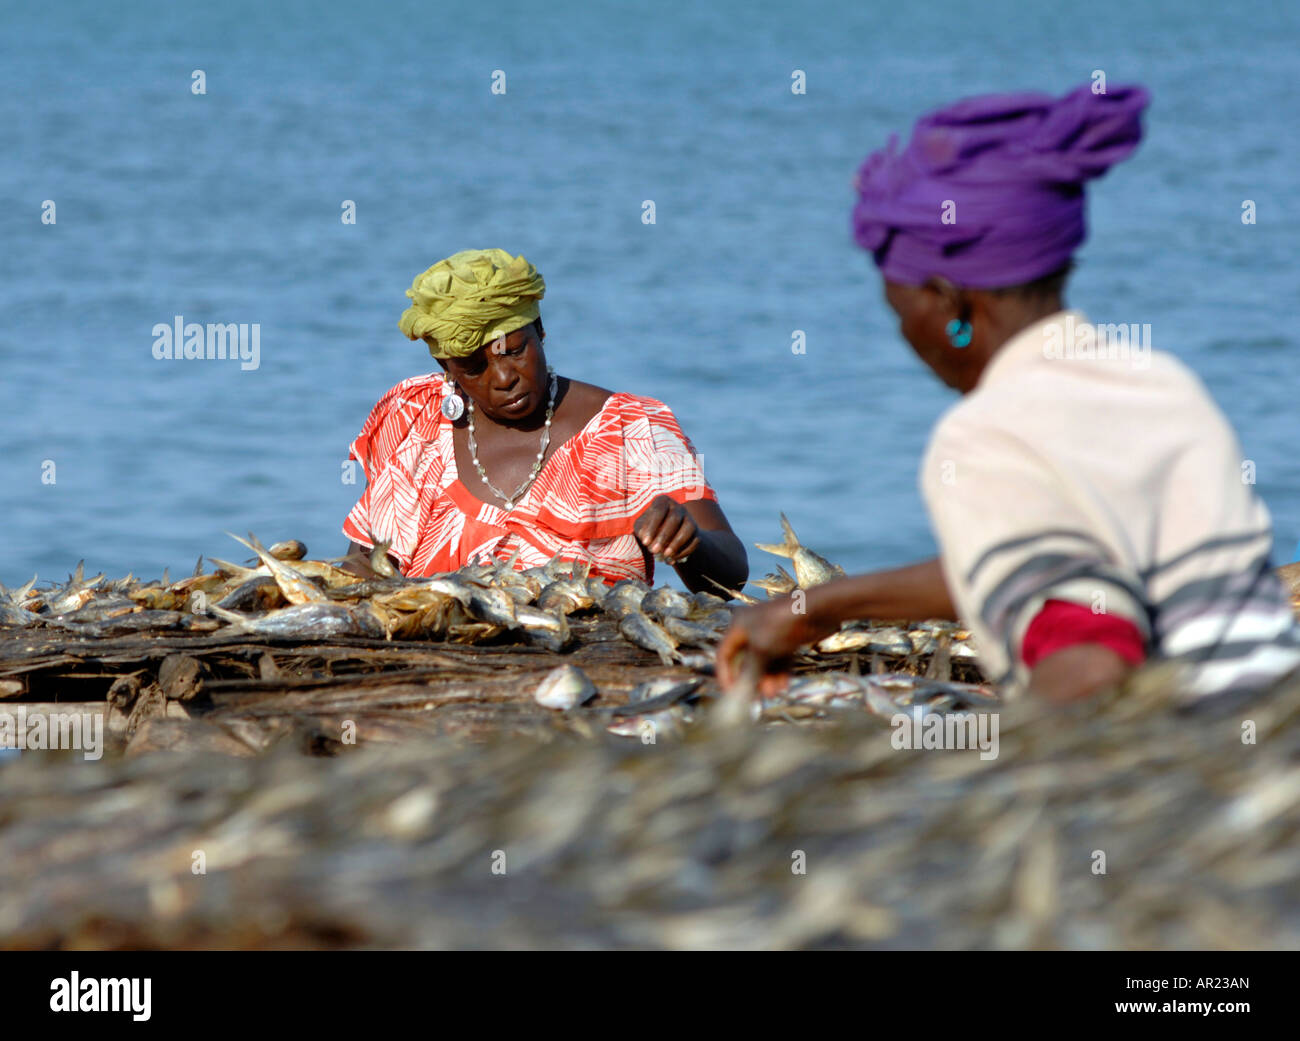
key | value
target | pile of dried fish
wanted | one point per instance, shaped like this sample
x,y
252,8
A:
x,y
1118,823
345,649
292,598
288,597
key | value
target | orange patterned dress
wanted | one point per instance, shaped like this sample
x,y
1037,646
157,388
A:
x,y
581,507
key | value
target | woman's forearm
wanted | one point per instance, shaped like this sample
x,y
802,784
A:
x,y
913,592
720,557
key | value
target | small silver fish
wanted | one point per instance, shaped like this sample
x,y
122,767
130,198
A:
x,y
521,595
307,621
290,549
624,597
493,605
366,587
718,620
878,641
778,584
565,595
698,661
257,594
238,571
573,569
17,596
451,585
736,594
667,723
666,602
379,562
544,628
564,688
809,569
658,687
905,691
691,634
75,594
924,643
638,629
523,589
705,603
16,616
297,587
832,689
101,610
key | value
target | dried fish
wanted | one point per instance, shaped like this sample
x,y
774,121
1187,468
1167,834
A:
x,y
494,606
565,595
664,603
778,584
624,597
290,549
809,568
16,616
691,634
564,688
640,630
544,628
883,640
257,594
297,588
379,562
308,621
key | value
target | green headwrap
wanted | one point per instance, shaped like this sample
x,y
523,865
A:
x,y
470,299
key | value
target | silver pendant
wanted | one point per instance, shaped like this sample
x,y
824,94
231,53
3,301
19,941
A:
x,y
453,407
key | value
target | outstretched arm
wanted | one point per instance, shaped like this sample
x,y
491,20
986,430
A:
x,y
768,635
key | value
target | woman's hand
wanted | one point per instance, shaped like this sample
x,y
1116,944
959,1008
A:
x,y
666,529
760,643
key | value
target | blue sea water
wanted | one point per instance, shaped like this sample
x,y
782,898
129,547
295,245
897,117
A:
x,y
225,207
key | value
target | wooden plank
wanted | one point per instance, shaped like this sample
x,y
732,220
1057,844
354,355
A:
x,y
114,722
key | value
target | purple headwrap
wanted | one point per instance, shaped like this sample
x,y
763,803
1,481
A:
x,y
1012,165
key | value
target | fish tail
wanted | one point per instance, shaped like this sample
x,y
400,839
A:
x,y
242,542
735,594
237,620
789,543
233,570
290,582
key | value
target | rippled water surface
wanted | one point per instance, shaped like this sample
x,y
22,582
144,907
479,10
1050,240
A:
x,y
226,207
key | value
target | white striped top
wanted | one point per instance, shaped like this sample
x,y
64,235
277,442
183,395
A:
x,y
1082,470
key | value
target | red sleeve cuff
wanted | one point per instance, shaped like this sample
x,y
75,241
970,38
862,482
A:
x,y
1062,624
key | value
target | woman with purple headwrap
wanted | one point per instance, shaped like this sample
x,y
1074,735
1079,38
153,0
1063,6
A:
x,y
1085,492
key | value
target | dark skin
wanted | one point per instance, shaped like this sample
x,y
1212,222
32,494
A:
x,y
507,382
763,639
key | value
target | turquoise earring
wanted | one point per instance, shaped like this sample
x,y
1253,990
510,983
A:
x,y
959,333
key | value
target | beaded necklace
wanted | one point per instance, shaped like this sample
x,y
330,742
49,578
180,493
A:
x,y
510,500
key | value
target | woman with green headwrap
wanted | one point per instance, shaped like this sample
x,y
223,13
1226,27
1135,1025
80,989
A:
x,y
496,457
